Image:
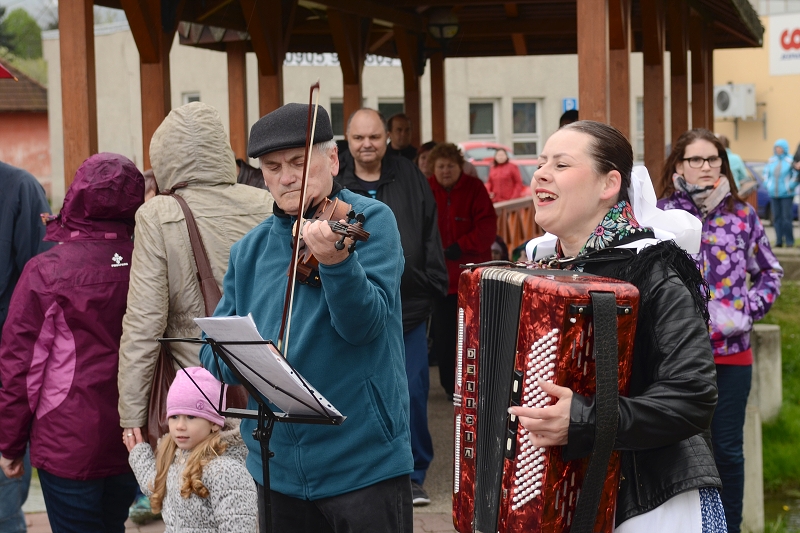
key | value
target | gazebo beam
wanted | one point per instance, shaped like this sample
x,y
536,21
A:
x,y
593,60
374,10
518,38
78,88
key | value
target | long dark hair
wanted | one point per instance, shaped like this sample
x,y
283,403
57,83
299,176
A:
x,y
677,154
609,150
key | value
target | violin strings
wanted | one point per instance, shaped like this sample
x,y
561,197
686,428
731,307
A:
x,y
300,220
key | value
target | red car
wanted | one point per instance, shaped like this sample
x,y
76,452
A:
x,y
481,155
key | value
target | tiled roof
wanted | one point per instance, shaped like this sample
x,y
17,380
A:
x,y
23,95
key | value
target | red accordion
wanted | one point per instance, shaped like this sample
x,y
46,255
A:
x,y
516,326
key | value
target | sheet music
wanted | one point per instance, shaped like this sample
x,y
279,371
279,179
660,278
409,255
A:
x,y
267,367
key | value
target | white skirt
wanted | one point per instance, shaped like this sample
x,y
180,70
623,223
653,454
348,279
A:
x,y
695,511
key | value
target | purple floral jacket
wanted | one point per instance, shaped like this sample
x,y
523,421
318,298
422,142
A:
x,y
733,245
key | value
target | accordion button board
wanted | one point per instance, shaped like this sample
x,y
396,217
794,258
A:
x,y
515,327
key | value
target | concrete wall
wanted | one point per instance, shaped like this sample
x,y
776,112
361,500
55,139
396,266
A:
x,y
24,142
776,97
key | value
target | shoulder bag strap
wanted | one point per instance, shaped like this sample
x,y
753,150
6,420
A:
x,y
208,285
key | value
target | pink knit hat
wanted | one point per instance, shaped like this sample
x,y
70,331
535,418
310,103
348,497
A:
x,y
184,397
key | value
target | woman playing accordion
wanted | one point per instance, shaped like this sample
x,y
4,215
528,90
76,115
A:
x,y
601,219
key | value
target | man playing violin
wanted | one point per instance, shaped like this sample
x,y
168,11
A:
x,y
347,341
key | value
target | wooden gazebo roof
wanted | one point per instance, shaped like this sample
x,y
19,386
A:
x,y
487,27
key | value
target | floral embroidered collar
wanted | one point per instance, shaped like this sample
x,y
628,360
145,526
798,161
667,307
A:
x,y
617,228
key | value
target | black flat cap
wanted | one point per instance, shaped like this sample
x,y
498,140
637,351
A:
x,y
286,128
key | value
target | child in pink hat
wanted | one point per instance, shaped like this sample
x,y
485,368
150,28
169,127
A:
x,y
197,478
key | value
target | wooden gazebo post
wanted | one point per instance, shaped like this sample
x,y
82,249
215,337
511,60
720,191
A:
x,y
438,99
619,14
78,89
237,97
269,24
701,57
408,50
153,27
350,35
593,60
653,30
678,19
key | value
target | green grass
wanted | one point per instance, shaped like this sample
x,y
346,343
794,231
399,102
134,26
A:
x,y
781,438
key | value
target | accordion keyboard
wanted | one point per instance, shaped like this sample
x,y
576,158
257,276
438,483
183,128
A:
x,y
529,461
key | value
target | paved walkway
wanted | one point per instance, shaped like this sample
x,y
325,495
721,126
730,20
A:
x,y
423,523
433,518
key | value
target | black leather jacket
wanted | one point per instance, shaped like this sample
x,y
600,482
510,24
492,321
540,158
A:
x,y
664,423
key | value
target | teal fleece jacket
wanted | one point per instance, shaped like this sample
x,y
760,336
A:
x,y
346,340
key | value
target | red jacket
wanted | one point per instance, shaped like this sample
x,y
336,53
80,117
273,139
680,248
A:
x,y
505,182
59,353
466,217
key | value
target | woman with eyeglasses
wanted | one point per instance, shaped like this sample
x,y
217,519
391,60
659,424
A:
x,y
697,179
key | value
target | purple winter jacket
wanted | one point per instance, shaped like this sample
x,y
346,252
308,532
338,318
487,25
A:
x,y
60,343
733,245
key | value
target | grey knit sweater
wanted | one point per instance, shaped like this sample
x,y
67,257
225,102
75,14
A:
x,y
232,502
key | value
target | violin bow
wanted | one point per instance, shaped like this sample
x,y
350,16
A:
x,y
311,126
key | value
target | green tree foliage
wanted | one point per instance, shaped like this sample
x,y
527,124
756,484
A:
x,y
5,38
23,34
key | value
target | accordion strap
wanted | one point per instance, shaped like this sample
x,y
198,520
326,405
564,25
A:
x,y
604,306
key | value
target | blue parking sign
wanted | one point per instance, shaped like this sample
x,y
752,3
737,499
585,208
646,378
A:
x,y
568,104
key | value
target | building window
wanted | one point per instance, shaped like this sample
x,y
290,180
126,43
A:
x,y
482,120
526,128
389,108
188,98
638,152
337,119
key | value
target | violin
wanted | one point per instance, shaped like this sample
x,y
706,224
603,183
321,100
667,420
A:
x,y
332,211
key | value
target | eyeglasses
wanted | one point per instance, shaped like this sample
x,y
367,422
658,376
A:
x,y
697,162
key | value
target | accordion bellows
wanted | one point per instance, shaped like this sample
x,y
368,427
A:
x,y
515,327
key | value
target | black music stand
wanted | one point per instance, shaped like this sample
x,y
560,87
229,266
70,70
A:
x,y
264,416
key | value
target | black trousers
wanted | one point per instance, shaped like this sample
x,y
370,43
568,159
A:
x,y
444,331
385,506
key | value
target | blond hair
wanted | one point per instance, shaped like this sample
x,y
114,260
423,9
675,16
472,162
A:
x,y
192,483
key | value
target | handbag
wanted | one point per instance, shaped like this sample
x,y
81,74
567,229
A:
x,y
164,375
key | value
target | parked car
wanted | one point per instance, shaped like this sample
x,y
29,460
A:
x,y
756,169
481,155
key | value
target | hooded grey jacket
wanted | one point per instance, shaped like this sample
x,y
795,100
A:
x,y
164,296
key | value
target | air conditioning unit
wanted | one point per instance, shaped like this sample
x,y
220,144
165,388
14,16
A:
x,y
735,101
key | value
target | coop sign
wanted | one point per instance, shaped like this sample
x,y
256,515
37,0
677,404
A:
x,y
784,44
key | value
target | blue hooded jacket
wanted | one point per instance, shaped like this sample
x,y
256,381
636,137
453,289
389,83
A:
x,y
784,184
